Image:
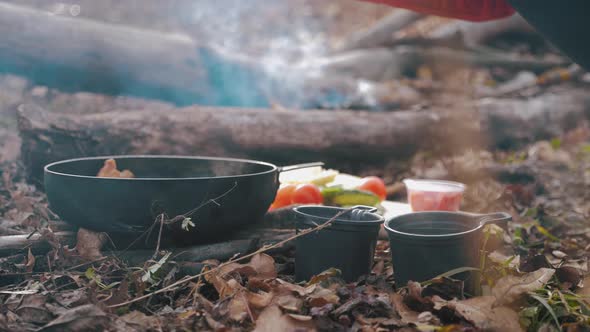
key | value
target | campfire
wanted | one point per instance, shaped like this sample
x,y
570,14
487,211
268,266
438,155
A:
x,y
298,165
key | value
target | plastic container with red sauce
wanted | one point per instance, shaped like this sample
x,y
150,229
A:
x,y
469,10
434,195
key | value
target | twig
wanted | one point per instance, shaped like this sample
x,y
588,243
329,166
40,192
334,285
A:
x,y
259,251
86,263
213,200
164,220
33,233
178,218
248,310
161,218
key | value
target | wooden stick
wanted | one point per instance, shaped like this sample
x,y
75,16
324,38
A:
x,y
13,244
240,242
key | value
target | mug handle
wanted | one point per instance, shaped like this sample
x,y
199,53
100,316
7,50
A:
x,y
494,218
366,208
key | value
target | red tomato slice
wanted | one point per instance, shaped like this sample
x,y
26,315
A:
x,y
374,185
284,196
307,194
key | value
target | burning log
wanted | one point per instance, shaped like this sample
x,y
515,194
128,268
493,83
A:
x,y
113,59
285,136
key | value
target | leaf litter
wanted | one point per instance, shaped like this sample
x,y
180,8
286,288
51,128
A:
x,y
534,272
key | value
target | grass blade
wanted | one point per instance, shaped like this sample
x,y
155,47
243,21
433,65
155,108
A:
x,y
452,273
547,306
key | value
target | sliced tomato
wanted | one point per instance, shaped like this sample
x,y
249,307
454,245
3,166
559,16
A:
x,y
375,185
307,194
284,196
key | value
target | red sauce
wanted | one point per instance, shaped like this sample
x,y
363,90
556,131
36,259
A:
x,y
434,195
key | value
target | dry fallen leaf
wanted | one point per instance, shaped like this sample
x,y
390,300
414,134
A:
x,y
84,318
238,308
569,276
264,266
139,321
289,303
272,319
259,300
332,272
224,288
34,314
301,318
89,243
480,312
242,269
31,308
408,316
30,262
509,288
72,298
286,287
500,258
319,296
585,290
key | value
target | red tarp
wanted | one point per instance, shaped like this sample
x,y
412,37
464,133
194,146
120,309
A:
x,y
470,10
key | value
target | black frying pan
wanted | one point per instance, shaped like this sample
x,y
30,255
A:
x,y
172,185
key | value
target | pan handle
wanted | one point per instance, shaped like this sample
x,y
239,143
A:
x,y
299,166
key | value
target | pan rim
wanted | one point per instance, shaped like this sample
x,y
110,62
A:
x,y
415,236
47,168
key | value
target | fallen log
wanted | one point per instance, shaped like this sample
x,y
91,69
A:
x,y
78,54
239,242
389,32
381,33
95,56
120,60
384,64
286,136
473,34
219,251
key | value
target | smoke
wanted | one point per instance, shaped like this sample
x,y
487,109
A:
x,y
258,52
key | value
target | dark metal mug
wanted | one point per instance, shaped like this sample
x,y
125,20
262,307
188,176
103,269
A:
x,y
348,244
427,244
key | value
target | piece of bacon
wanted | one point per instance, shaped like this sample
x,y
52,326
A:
x,y
109,170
